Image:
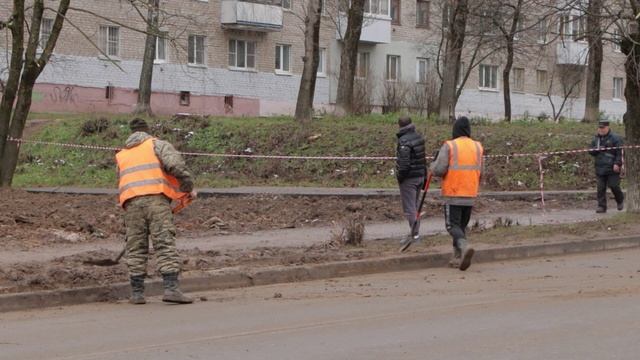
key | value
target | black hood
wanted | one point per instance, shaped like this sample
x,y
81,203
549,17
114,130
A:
x,y
461,127
406,129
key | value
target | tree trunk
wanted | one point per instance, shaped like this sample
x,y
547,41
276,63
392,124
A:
x,y
311,59
146,73
349,57
15,69
453,52
594,71
632,120
33,67
506,72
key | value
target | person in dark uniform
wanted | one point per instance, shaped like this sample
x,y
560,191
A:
x,y
608,165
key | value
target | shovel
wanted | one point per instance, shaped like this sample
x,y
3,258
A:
x,y
181,204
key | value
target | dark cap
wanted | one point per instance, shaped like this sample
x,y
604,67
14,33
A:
x,y
404,121
138,124
603,123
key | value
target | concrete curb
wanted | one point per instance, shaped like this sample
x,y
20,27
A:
x,y
324,192
217,280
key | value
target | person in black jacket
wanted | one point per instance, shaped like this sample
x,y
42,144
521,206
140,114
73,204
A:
x,y
411,168
608,164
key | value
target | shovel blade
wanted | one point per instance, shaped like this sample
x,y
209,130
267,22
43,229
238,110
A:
x,y
101,262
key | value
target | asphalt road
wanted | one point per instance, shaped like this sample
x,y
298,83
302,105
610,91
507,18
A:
x,y
577,307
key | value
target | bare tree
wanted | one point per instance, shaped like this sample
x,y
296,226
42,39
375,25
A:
x,y
146,72
28,65
311,60
455,21
631,48
569,78
594,70
349,56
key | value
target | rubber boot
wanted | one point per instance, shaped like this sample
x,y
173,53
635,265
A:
x,y
467,254
455,258
137,290
172,293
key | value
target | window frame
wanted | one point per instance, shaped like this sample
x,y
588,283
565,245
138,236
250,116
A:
x,y
395,20
514,80
493,77
290,2
105,34
161,38
42,44
543,31
427,22
363,55
195,38
616,40
621,90
398,73
427,63
280,56
247,55
546,89
378,10
322,60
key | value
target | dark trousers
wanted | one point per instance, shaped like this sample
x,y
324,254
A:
x,y
456,219
611,181
410,196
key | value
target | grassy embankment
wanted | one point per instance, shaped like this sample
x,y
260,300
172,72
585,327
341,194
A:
x,y
372,135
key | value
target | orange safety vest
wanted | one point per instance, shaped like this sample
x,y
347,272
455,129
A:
x,y
140,173
465,163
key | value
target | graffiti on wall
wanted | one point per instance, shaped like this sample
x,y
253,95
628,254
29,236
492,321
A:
x,y
63,95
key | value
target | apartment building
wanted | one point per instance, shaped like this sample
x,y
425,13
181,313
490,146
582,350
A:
x,y
244,58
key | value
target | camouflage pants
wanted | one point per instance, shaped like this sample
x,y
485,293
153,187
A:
x,y
150,217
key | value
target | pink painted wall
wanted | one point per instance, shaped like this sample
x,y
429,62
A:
x,y
77,99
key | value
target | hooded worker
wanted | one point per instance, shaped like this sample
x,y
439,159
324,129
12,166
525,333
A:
x,y
459,163
152,175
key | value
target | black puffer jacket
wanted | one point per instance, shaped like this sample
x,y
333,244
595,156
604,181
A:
x,y
410,154
605,159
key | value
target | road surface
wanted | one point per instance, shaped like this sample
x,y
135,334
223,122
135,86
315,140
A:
x,y
576,307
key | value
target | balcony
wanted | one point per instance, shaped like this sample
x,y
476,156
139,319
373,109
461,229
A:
x,y
572,53
376,29
244,15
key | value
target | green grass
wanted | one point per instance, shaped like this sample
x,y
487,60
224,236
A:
x,y
372,135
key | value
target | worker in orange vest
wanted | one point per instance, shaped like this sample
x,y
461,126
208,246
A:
x,y
459,164
151,176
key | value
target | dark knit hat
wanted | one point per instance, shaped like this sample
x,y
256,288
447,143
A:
x,y
138,124
603,123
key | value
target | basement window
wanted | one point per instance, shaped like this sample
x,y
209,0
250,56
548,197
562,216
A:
x,y
108,92
228,103
185,98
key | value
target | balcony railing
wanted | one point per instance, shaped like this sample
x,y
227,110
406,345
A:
x,y
244,15
375,28
572,53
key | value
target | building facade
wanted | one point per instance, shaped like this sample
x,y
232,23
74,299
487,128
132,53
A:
x,y
244,58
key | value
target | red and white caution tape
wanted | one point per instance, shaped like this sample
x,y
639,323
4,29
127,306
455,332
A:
x,y
299,157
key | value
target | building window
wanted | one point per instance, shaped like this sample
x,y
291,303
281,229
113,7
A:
x,y
363,65
395,12
489,77
322,61
422,13
393,68
185,98
242,54
573,27
376,7
617,88
45,31
161,48
616,40
110,40
422,67
283,53
543,30
518,79
286,4
542,86
196,49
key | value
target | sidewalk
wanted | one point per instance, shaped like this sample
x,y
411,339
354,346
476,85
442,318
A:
x,y
303,237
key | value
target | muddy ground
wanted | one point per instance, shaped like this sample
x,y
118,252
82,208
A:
x,y
36,222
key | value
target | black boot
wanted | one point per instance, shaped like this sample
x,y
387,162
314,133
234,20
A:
x,y
137,290
172,293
